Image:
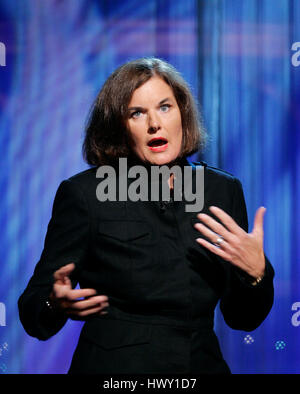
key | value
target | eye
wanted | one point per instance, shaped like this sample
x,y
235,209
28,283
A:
x,y
136,114
165,107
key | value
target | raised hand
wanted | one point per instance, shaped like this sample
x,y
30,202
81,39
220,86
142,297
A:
x,y
232,243
76,303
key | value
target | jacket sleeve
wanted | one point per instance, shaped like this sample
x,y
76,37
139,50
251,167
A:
x,y
66,241
244,306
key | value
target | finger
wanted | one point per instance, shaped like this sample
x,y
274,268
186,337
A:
x,y
214,249
211,235
73,295
77,306
70,294
64,271
227,220
80,314
88,310
259,220
217,227
86,304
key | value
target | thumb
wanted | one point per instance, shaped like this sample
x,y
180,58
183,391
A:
x,y
259,221
64,272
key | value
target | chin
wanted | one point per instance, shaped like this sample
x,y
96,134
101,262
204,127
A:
x,y
161,160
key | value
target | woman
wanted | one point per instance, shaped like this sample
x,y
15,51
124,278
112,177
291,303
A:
x,y
150,273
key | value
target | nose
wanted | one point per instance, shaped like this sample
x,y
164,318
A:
x,y
153,122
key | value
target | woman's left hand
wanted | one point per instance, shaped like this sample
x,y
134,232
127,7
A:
x,y
232,243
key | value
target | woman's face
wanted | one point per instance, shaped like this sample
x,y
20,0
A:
x,y
154,122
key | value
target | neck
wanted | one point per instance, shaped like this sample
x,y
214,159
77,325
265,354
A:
x,y
135,160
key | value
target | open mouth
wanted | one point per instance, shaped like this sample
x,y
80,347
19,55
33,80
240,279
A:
x,y
158,144
155,142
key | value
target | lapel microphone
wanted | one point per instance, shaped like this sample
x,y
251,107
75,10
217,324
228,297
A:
x,y
163,205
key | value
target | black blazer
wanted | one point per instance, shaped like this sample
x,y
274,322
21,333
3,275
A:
x,y
162,285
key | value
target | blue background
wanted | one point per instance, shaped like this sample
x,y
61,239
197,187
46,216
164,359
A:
x,y
237,58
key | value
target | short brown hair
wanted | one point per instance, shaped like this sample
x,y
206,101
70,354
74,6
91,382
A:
x,y
106,134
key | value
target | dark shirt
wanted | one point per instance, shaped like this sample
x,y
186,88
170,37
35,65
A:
x,y
144,257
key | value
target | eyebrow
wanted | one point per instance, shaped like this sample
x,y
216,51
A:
x,y
139,108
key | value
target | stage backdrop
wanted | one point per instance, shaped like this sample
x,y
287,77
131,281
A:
x,y
242,60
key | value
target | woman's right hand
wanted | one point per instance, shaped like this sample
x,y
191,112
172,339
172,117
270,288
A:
x,y
76,303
